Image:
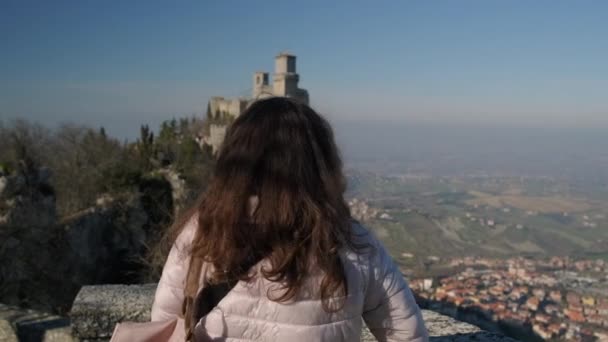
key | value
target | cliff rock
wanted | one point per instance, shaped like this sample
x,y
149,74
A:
x,y
106,243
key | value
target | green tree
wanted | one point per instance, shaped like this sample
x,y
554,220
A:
x,y
184,124
167,133
209,115
24,145
145,148
173,126
85,164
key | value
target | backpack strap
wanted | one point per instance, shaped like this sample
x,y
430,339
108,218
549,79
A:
x,y
190,292
197,306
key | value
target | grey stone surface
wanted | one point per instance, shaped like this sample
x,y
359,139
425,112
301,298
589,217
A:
x,y
32,326
7,332
446,329
97,309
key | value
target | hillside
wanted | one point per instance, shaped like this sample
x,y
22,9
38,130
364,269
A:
x,y
429,216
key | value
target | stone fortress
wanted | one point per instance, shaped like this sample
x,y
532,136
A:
x,y
284,83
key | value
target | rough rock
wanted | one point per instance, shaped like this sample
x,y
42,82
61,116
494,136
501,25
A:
x,y
27,219
178,188
443,329
102,244
32,326
446,329
104,241
7,332
97,309
24,193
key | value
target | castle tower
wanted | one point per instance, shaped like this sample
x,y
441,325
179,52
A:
x,y
260,85
285,80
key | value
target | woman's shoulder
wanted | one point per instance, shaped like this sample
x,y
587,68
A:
x,y
366,250
363,236
188,230
363,244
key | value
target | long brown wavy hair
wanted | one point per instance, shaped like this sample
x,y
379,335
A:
x,y
283,154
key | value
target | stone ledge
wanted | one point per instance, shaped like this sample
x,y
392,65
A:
x,y
97,309
31,326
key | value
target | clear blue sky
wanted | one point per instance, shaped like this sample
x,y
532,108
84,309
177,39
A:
x,y
122,63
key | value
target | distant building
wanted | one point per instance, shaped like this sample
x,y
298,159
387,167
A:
x,y
284,83
232,107
215,137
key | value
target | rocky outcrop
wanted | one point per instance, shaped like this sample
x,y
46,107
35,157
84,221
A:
x,y
106,243
179,191
24,193
97,309
103,243
27,235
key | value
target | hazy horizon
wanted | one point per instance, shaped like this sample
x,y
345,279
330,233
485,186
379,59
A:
x,y
457,88
436,149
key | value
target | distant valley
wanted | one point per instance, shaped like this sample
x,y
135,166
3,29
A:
x,y
420,217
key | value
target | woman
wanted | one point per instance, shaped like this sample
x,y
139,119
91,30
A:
x,y
273,229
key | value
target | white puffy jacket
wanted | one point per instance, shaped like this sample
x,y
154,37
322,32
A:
x,y
377,293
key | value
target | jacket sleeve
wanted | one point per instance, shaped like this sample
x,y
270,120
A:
x,y
390,310
169,295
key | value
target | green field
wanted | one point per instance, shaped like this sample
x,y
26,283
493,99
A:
x,y
485,217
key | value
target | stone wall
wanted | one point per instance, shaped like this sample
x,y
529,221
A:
x,y
231,106
215,137
97,309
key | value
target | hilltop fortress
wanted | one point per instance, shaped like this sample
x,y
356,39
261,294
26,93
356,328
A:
x,y
284,83
221,110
